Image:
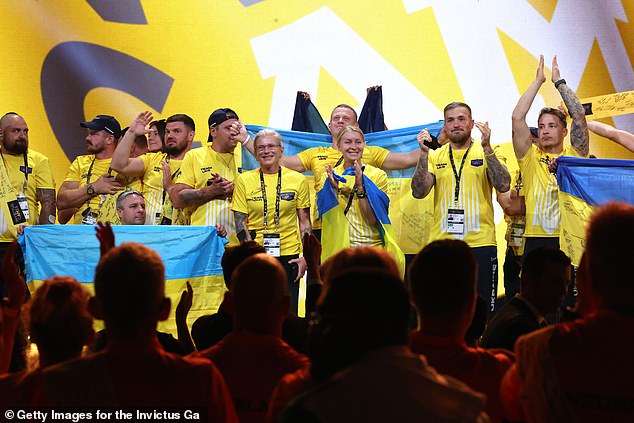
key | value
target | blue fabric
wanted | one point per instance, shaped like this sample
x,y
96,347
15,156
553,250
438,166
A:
x,y
395,140
596,181
73,250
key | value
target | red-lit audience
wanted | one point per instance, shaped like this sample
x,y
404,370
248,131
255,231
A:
x,y
364,363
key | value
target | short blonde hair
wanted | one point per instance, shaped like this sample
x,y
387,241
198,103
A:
x,y
267,133
350,128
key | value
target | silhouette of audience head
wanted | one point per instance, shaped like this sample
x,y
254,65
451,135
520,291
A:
x,y
609,248
368,257
545,278
233,256
59,321
360,310
130,291
258,298
442,280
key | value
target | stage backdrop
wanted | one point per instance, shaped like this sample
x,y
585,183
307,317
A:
x,y
65,61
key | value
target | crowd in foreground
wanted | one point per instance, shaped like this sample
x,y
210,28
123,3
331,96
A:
x,y
360,362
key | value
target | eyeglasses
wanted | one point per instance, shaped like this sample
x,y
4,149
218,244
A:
x,y
267,147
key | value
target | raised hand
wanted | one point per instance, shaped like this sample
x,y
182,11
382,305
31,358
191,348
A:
x,y
486,133
105,235
140,122
331,177
422,137
555,75
358,175
540,77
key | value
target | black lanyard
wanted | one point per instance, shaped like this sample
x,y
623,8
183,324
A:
x,y
89,174
278,195
458,174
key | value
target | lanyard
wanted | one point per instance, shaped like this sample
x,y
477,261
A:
x,y
24,170
89,174
459,173
278,195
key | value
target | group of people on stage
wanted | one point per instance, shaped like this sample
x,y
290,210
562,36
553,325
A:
x,y
358,357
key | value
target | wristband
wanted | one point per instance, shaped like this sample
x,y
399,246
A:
x,y
558,83
362,194
246,140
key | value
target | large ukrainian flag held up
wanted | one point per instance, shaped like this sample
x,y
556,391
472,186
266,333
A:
x,y
411,218
190,253
583,185
335,231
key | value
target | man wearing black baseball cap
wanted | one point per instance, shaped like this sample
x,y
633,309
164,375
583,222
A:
x,y
207,174
90,184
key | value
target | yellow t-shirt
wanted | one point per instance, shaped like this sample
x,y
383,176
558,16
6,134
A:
x,y
248,199
541,192
155,207
474,196
104,205
315,159
197,167
40,176
361,233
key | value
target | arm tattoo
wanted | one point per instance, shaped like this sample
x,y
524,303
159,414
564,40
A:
x,y
498,174
422,180
240,219
579,137
46,197
191,197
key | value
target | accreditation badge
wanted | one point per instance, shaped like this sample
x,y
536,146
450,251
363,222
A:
x,y
89,218
516,236
24,205
17,216
455,221
272,245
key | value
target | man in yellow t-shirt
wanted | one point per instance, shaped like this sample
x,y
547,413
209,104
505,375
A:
x,y
540,185
463,174
26,182
90,187
207,174
157,170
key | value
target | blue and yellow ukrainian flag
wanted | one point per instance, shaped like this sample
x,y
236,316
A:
x,y
335,231
190,253
583,185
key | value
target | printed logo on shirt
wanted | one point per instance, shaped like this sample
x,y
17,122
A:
x,y
287,196
441,165
322,157
255,198
205,169
158,169
476,162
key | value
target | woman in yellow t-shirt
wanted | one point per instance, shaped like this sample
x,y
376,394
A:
x,y
271,205
352,194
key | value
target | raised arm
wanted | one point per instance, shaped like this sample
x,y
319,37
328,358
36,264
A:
x,y
579,137
521,132
422,180
121,161
619,136
497,173
293,162
362,195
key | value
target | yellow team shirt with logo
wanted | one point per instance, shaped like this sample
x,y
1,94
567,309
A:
x,y
248,199
361,233
197,167
315,159
105,205
475,196
153,192
40,176
541,192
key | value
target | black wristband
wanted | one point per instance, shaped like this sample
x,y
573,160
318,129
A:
x,y
558,83
361,194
